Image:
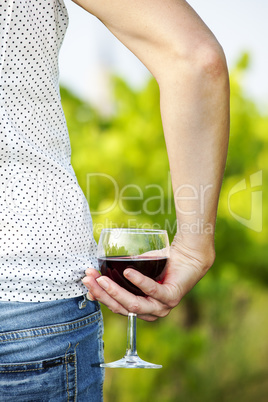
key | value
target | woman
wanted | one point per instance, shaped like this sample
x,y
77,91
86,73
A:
x,y
51,334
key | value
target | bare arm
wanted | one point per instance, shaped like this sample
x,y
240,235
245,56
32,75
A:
x,y
189,66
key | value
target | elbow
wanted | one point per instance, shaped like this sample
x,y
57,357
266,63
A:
x,y
211,62
201,64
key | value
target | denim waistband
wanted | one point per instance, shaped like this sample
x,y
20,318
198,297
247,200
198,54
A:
x,y
44,318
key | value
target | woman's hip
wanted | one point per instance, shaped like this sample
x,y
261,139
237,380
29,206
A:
x,y
51,351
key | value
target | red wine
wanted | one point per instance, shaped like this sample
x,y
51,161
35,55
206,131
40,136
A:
x,y
113,267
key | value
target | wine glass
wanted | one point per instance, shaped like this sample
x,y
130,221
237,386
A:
x,y
145,250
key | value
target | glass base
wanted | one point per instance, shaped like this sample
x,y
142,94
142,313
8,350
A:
x,y
131,362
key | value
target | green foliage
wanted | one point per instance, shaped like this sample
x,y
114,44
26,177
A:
x,y
112,251
120,160
214,345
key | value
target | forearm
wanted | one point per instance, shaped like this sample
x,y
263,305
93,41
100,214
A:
x,y
195,116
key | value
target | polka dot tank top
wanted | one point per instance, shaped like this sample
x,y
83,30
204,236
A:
x,y
46,238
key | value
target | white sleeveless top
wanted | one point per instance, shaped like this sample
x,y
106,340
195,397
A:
x,y
46,238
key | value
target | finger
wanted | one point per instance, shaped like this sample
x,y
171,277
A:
x,y
90,297
148,317
135,304
166,294
162,312
99,293
93,272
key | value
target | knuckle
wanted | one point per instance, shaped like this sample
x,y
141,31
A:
x,y
113,293
153,290
172,303
162,312
134,308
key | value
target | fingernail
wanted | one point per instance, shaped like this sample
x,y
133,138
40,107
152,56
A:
x,y
90,297
102,282
128,273
84,280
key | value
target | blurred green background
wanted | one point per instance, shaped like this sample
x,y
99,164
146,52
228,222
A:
x,y
214,345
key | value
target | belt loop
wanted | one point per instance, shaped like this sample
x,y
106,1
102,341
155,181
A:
x,y
82,303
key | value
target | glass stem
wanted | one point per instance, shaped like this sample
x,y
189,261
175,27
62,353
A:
x,y
131,335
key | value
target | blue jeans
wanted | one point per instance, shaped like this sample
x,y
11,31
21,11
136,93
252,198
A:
x,y
51,351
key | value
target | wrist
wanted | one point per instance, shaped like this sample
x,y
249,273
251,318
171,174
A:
x,y
199,247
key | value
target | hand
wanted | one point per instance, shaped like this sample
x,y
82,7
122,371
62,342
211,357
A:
x,y
186,266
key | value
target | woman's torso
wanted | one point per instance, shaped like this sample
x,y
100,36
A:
x,y
46,239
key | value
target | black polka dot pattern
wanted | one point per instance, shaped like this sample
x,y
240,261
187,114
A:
x,y
46,239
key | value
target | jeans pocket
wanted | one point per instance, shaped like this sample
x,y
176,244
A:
x,y
40,381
